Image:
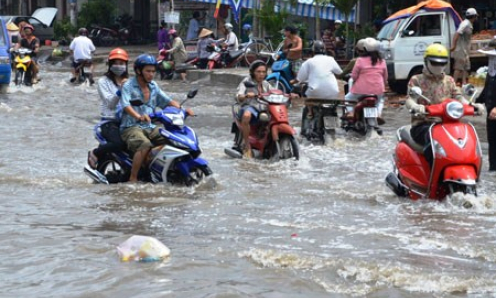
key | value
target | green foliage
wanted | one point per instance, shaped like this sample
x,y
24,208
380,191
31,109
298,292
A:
x,y
64,29
271,21
99,12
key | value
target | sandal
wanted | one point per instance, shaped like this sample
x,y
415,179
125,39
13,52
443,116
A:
x,y
92,159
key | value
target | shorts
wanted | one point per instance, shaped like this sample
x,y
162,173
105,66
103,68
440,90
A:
x,y
76,64
252,110
138,139
461,62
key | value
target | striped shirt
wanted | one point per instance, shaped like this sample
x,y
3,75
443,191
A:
x,y
109,104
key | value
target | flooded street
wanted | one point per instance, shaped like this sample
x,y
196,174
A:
x,y
323,226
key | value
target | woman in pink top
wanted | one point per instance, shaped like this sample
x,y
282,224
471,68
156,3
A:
x,y
369,75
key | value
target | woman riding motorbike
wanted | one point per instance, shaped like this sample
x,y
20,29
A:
x,y
109,89
435,85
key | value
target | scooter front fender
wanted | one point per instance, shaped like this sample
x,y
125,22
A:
x,y
185,166
281,128
461,174
22,66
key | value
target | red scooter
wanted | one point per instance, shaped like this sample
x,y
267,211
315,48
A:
x,y
221,57
271,139
456,150
166,66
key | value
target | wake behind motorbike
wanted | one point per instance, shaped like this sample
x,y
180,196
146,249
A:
x,y
23,70
176,162
456,150
272,139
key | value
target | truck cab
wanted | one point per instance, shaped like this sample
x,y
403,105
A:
x,y
404,40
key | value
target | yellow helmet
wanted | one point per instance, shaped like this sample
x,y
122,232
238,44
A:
x,y
436,53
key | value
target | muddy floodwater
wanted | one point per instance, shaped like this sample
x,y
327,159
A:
x,y
323,226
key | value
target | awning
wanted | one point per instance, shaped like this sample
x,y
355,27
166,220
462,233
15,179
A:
x,y
429,5
305,8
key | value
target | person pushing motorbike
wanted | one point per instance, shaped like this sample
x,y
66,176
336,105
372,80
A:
x,y
437,86
140,96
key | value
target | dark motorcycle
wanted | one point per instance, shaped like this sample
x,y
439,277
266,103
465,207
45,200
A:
x,y
167,68
119,33
221,57
83,71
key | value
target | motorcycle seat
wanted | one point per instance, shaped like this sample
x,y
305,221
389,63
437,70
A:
x,y
366,96
236,54
405,136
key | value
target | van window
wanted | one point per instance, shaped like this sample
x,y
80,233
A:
x,y
389,30
425,25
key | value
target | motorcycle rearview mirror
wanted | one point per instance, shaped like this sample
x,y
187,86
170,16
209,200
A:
x,y
416,92
249,84
136,102
192,93
469,90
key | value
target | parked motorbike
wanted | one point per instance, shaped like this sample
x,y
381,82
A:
x,y
273,139
167,68
221,57
23,72
120,33
282,75
177,162
456,150
83,71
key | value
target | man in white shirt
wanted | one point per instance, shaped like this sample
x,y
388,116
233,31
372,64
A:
x,y
319,72
82,48
231,38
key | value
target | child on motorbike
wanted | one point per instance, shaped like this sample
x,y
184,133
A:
x,y
109,89
251,112
140,97
437,86
369,76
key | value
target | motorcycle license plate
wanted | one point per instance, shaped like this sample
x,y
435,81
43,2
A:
x,y
86,70
331,122
370,112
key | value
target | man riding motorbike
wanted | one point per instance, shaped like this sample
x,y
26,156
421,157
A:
x,y
30,41
437,86
178,51
319,72
231,38
250,113
140,96
82,47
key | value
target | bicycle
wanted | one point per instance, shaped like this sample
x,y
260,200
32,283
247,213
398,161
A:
x,y
260,49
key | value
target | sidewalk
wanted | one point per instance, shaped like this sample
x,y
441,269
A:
x,y
230,76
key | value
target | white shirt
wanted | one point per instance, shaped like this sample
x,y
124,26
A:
x,y
319,72
232,41
82,47
109,100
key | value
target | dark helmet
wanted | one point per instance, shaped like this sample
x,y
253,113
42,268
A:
x,y
254,65
143,60
83,31
318,47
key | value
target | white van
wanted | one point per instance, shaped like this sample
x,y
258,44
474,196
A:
x,y
404,40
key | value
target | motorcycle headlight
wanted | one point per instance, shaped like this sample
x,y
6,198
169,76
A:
x,y
454,109
438,149
177,144
277,98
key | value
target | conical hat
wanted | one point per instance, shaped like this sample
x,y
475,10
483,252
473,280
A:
x,y
204,32
12,27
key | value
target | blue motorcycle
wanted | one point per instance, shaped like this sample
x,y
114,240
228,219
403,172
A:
x,y
177,162
282,74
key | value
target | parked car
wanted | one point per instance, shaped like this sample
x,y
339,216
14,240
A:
x,y
42,20
4,57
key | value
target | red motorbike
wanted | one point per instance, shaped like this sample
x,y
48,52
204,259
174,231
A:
x,y
221,57
455,148
364,118
273,138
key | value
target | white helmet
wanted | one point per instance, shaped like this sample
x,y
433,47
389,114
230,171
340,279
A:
x,y
359,45
371,44
471,12
228,26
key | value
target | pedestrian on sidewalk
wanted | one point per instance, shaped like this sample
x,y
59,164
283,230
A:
x,y
163,40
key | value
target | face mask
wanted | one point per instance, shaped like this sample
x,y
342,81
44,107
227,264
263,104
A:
x,y
118,70
436,70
